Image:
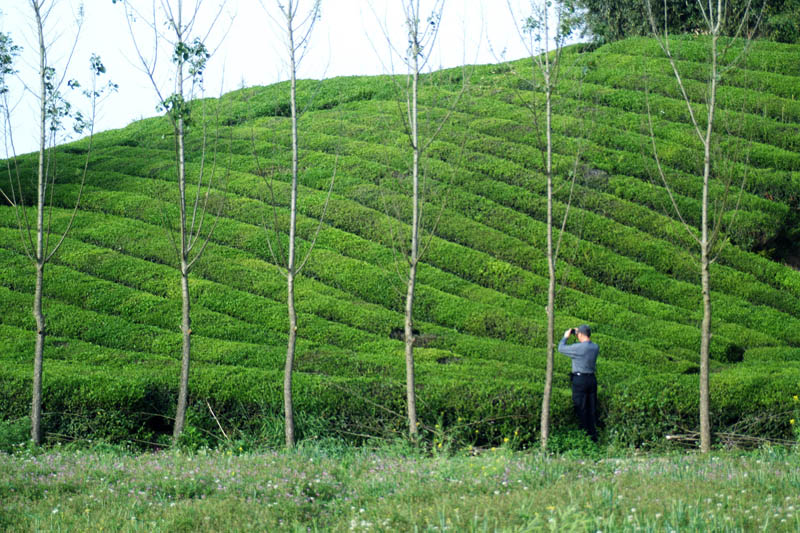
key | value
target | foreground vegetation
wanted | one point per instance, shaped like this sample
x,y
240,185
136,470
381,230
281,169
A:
x,y
396,488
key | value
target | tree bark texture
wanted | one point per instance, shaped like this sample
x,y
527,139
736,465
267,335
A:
x,y
38,314
288,402
705,245
186,324
551,259
36,402
414,253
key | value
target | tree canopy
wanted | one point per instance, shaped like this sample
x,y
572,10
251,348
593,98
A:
x,y
612,20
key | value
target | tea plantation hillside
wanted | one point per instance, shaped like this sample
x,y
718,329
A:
x,y
112,296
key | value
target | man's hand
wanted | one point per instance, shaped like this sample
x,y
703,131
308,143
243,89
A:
x,y
567,333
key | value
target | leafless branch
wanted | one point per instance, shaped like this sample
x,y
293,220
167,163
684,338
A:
x,y
667,187
321,218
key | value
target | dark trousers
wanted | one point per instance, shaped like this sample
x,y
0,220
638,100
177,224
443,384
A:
x,y
584,398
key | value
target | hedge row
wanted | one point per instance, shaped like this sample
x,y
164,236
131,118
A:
x,y
139,402
600,142
362,219
663,82
777,84
600,102
609,128
466,183
748,399
757,224
633,244
246,275
749,228
771,296
450,311
614,315
493,322
89,400
763,56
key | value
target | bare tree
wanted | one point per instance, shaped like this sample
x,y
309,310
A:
x,y
189,56
297,33
53,113
421,37
536,33
714,15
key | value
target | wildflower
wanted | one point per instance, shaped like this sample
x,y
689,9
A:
x,y
505,439
795,398
791,422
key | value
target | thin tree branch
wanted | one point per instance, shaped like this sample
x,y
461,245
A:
x,y
321,218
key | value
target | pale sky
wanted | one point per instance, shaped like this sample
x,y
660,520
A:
x,y
347,40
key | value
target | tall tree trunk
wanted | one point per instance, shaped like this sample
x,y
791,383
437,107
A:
x,y
36,400
186,330
551,259
288,404
411,397
705,341
705,336
414,255
551,268
705,245
186,325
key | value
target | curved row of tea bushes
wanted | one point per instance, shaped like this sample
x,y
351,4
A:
x,y
435,306
762,56
771,354
103,402
772,296
614,315
759,400
625,147
767,83
748,223
631,243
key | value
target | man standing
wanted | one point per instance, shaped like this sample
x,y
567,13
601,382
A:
x,y
584,382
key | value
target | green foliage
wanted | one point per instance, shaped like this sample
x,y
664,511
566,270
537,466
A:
x,y
614,20
626,266
14,434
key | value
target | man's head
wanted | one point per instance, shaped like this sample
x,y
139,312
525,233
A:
x,y
583,332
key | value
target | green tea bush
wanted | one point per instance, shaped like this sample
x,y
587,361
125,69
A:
x,y
645,410
772,354
762,55
14,434
388,291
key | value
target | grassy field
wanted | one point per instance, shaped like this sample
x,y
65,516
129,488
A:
x,y
395,488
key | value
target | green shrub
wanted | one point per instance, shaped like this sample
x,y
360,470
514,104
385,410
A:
x,y
772,354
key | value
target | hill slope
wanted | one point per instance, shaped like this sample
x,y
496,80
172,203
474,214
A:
x,y
628,269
